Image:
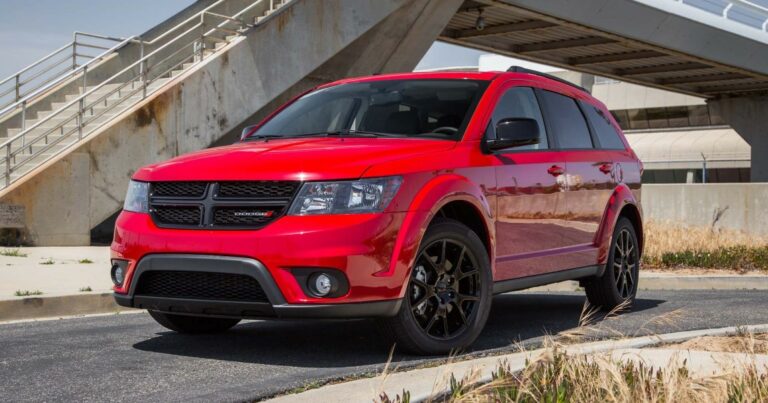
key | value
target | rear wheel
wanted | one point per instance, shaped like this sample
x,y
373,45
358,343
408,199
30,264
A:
x,y
618,284
449,292
193,324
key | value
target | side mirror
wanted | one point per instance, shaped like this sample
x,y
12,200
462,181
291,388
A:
x,y
246,131
514,132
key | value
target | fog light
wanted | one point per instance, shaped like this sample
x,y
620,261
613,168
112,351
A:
x,y
118,271
323,284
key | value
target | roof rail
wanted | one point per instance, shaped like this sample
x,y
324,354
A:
x,y
518,69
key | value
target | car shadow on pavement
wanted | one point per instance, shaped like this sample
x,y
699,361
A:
x,y
515,318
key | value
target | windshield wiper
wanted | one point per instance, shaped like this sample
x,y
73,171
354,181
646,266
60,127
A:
x,y
263,137
330,133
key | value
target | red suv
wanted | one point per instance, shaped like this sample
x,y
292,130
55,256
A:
x,y
412,198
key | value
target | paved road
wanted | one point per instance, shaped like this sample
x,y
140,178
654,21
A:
x,y
130,358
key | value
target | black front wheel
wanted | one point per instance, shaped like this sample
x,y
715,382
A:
x,y
193,324
618,284
449,292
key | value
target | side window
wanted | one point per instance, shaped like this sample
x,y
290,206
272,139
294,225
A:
x,y
567,121
519,102
604,129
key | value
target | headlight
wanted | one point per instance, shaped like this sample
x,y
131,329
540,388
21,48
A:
x,y
137,198
345,197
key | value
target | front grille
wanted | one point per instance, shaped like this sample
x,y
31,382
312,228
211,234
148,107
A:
x,y
244,216
200,285
223,205
261,189
178,215
179,189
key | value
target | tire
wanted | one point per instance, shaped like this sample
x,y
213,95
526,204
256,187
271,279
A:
x,y
193,324
449,294
618,284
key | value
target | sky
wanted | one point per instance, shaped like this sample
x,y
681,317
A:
x,y
30,29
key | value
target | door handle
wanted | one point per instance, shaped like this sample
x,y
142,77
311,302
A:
x,y
555,170
606,168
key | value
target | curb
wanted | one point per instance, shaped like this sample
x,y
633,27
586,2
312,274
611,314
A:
x,y
54,306
669,282
423,384
82,304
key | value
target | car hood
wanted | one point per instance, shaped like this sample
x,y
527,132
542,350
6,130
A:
x,y
290,159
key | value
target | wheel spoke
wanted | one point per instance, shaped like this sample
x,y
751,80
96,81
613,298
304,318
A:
x,y
466,297
445,326
421,284
461,312
431,263
431,323
468,274
461,258
630,276
441,263
423,298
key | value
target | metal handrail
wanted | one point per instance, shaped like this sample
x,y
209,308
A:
x,y
762,10
142,73
47,85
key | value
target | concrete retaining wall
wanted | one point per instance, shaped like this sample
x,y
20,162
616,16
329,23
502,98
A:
x,y
741,206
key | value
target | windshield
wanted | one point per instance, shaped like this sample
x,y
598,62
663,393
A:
x,y
390,108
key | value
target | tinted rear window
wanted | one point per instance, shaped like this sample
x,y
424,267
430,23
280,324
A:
x,y
606,132
566,120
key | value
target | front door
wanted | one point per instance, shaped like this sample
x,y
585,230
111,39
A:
x,y
588,176
531,195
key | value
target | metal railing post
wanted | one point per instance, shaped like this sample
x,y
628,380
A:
x,y
74,50
18,87
80,109
7,164
141,56
85,79
144,79
23,115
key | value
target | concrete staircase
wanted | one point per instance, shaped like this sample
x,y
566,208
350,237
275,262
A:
x,y
221,69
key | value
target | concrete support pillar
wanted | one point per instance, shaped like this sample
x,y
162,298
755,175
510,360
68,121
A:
x,y
749,117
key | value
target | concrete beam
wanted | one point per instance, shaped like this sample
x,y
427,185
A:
x,y
747,116
564,44
664,24
502,29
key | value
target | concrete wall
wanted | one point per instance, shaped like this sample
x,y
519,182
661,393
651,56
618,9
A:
x,y
304,44
741,206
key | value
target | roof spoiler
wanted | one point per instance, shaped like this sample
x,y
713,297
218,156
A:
x,y
518,69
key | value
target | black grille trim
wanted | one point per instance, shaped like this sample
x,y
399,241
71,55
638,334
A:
x,y
179,189
257,190
220,205
200,285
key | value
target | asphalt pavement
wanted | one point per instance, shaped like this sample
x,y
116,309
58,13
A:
x,y
128,357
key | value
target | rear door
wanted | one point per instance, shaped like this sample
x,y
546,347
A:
x,y
531,194
588,178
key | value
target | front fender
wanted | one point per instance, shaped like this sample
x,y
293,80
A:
x,y
426,203
621,198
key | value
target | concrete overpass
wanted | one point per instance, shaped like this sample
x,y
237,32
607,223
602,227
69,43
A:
x,y
665,44
195,80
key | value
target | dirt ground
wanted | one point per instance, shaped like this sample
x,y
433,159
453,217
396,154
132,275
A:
x,y
750,343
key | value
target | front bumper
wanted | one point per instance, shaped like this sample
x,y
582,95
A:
x,y
275,306
372,250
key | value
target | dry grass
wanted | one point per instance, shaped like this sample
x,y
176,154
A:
x,y
673,246
557,377
663,238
